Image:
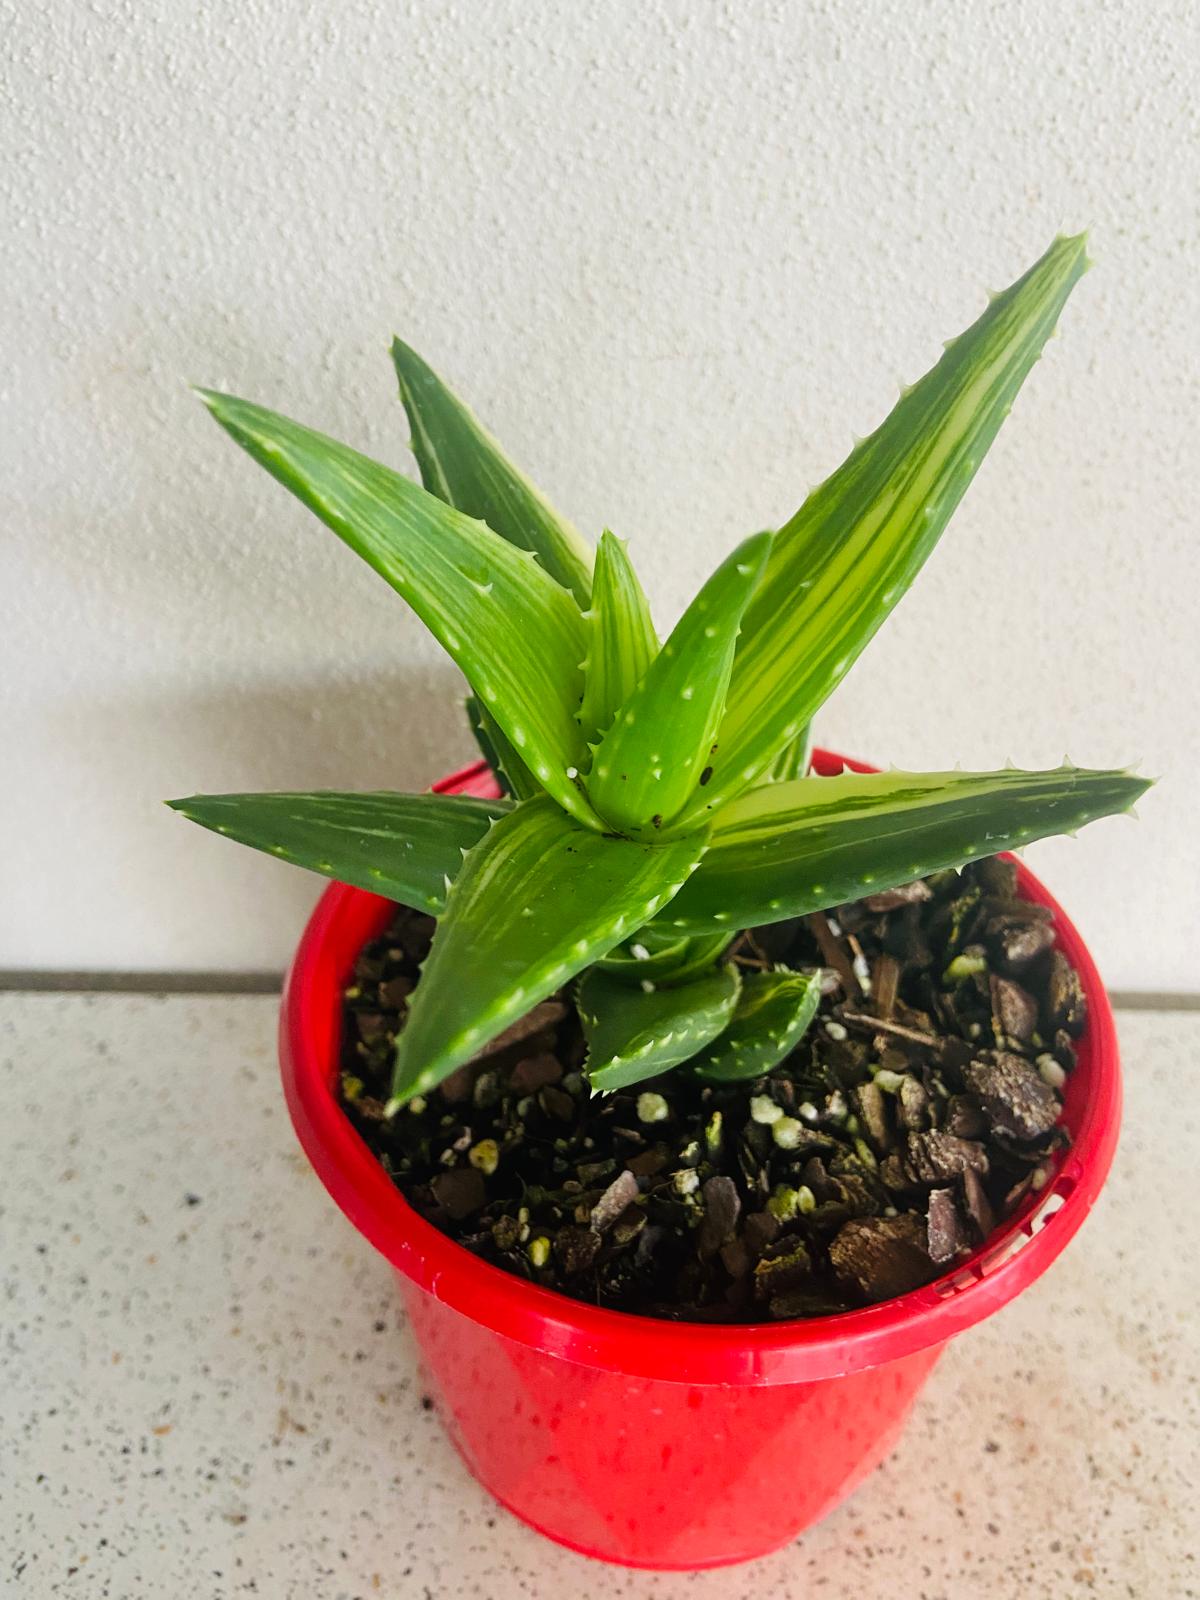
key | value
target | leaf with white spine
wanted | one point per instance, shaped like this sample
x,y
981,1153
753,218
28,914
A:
x,y
405,846
787,849
858,541
634,1034
773,1013
621,638
517,635
538,899
463,465
654,756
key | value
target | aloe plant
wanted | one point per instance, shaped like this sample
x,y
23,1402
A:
x,y
657,799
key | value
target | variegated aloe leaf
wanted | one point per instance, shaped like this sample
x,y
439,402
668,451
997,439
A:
x,y
511,773
793,759
634,1033
406,846
659,749
621,638
851,551
537,899
784,850
463,465
517,635
773,1013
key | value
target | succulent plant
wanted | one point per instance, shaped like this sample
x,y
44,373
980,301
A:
x,y
657,799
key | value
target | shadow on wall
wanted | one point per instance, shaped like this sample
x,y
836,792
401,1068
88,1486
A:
x,y
372,730
186,897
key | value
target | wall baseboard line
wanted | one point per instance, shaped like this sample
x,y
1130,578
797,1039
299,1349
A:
x,y
233,983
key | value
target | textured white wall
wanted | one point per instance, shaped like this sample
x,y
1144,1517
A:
x,y
676,253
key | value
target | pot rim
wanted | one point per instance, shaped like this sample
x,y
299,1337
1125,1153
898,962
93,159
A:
x,y
649,1347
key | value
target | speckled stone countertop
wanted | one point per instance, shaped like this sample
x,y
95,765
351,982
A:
x,y
207,1389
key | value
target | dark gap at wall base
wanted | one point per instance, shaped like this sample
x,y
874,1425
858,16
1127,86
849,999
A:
x,y
142,982
1152,1000
232,983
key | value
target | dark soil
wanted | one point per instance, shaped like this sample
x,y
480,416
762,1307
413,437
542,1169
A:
x,y
916,1114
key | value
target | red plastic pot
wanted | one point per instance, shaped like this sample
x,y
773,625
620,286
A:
x,y
646,1442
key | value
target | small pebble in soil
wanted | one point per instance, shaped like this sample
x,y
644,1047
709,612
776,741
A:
x,y
765,1110
652,1108
485,1155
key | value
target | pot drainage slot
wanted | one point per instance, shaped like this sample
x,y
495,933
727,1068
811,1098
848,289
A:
x,y
1054,1197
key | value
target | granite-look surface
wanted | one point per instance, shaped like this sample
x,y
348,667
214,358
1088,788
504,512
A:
x,y
206,1390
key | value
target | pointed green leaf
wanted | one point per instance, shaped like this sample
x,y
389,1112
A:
x,y
511,773
634,1034
537,900
656,753
796,847
463,465
851,551
517,635
773,1013
621,638
406,846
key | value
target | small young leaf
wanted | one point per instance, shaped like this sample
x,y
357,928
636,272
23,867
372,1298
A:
x,y
537,900
517,635
858,541
621,638
405,846
634,1034
656,754
511,773
666,958
791,848
773,1013
463,465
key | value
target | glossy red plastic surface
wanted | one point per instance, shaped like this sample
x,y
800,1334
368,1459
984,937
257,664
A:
x,y
648,1442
